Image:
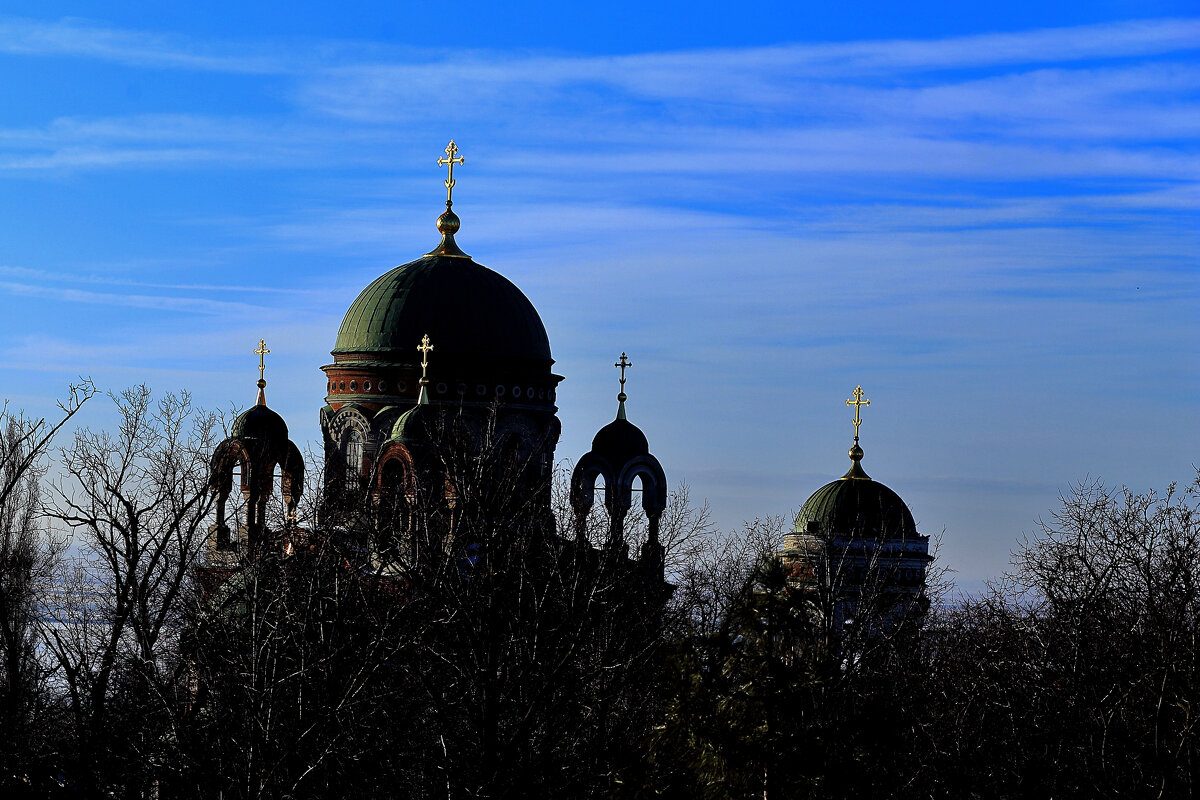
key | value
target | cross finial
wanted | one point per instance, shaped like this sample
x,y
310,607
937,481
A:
x,y
623,364
449,160
858,402
261,351
424,347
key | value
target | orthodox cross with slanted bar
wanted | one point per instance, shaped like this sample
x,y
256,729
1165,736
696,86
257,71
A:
x,y
261,351
858,402
425,347
623,364
449,161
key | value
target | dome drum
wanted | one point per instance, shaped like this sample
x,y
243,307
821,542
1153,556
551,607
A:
x,y
377,385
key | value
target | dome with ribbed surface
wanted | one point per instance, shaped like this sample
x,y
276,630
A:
x,y
464,307
856,505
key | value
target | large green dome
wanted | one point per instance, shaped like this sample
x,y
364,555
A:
x,y
858,506
465,308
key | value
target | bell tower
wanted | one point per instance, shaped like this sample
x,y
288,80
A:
x,y
620,455
257,445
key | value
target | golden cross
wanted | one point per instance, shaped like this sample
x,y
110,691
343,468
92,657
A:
x,y
261,351
425,347
449,161
623,363
858,403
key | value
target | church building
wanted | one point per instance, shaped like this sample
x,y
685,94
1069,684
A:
x,y
855,549
444,341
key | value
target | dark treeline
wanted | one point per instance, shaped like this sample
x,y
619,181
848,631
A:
x,y
454,643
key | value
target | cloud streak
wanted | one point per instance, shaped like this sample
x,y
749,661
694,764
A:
x,y
195,305
85,39
1116,102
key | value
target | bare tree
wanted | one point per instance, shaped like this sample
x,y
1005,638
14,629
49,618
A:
x,y
138,505
1075,674
295,683
29,556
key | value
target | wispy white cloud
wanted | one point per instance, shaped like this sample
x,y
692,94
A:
x,y
87,39
1051,45
43,276
1061,103
650,73
158,140
761,76
195,305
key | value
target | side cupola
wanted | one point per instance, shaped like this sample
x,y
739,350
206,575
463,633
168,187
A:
x,y
620,455
407,447
256,447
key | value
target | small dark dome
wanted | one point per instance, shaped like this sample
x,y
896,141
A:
x,y
260,422
466,309
412,427
857,507
620,441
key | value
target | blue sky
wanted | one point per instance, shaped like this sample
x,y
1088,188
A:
x,y
985,216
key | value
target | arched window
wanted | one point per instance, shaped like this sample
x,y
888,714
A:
x,y
594,522
599,489
230,509
353,453
636,524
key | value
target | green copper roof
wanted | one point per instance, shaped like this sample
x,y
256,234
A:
x,y
857,507
465,308
412,427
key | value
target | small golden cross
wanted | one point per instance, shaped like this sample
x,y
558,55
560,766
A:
x,y
425,347
449,161
858,402
623,363
261,351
